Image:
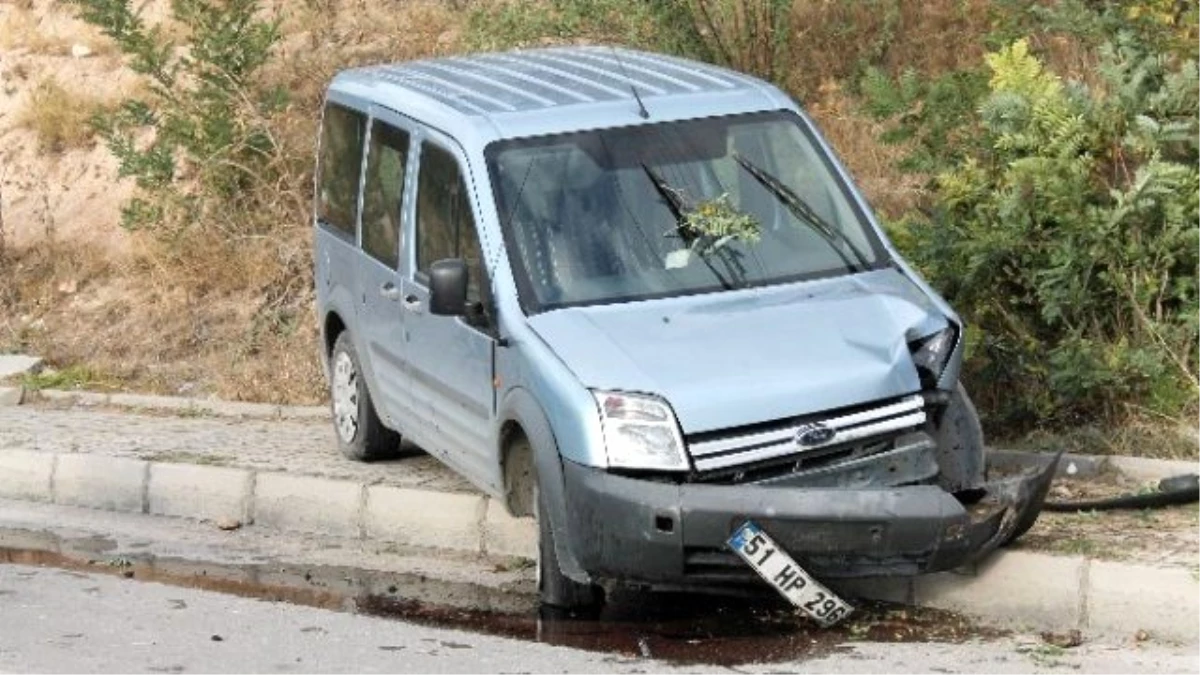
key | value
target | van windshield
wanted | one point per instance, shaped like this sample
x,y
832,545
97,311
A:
x,y
674,208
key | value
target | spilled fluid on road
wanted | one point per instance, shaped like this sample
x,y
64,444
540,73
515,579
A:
x,y
686,628
696,628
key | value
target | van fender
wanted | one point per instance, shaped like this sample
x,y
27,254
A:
x,y
342,304
521,407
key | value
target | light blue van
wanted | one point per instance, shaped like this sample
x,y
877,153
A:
x,y
637,298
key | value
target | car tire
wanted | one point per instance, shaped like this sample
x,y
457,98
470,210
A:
x,y
960,446
556,589
360,433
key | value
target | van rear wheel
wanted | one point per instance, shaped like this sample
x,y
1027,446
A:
x,y
360,433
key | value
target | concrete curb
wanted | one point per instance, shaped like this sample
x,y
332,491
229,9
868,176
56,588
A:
x,y
1027,591
1084,466
1021,589
465,522
18,364
182,405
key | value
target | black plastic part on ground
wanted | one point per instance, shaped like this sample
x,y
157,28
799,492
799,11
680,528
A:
x,y
1183,489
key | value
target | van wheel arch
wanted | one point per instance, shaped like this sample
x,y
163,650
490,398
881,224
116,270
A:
x,y
524,498
520,478
334,326
961,460
521,410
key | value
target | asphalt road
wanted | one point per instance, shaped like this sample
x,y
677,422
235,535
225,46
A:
x,y
54,620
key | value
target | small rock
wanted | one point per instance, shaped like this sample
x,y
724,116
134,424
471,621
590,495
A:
x,y
81,51
68,287
1141,635
1071,638
217,638
228,524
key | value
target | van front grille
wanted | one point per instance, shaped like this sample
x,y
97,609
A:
x,y
806,442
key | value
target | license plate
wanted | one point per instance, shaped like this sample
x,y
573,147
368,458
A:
x,y
777,568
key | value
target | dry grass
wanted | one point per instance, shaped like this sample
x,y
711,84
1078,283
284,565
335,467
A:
x,y
834,40
50,30
854,136
20,29
60,119
204,312
1139,434
137,325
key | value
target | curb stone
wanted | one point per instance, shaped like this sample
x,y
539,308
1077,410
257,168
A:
x,y
18,364
95,481
1145,469
12,395
1013,588
1085,466
214,407
424,517
28,475
1162,602
199,492
1037,587
308,504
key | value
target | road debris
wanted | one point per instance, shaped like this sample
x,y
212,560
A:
x,y
1065,640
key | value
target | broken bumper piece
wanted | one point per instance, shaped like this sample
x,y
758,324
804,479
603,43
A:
x,y
637,530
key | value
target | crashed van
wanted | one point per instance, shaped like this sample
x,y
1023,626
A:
x,y
638,298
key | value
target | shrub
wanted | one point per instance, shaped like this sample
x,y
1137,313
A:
x,y
1068,238
199,143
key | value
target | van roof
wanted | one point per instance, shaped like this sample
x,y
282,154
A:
x,y
534,91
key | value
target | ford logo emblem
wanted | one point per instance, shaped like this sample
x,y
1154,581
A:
x,y
814,434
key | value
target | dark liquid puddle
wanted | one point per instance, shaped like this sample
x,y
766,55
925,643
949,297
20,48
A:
x,y
678,627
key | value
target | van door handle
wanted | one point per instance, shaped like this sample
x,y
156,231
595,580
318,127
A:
x,y
412,303
389,291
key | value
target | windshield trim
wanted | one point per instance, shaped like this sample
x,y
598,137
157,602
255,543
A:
x,y
527,297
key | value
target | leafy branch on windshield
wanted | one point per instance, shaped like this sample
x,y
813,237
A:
x,y
713,223
705,229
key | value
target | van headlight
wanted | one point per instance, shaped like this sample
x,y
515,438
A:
x,y
640,432
930,354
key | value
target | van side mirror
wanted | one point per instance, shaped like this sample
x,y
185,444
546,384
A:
x,y
448,287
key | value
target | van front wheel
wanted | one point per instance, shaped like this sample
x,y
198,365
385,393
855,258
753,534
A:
x,y
360,433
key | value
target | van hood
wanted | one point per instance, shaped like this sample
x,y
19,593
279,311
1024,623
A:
x,y
753,355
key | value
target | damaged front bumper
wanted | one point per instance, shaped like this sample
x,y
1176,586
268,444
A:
x,y
636,530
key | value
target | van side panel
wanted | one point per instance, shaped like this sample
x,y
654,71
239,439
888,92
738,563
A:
x,y
335,248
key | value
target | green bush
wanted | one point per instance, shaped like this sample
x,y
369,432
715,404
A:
x,y
198,143
1068,238
932,116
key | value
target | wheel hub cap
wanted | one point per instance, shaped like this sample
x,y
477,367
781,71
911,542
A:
x,y
345,397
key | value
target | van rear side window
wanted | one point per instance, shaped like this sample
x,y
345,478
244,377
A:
x,y
342,132
386,164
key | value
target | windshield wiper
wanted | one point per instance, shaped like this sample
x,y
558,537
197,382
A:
x,y
804,212
675,206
